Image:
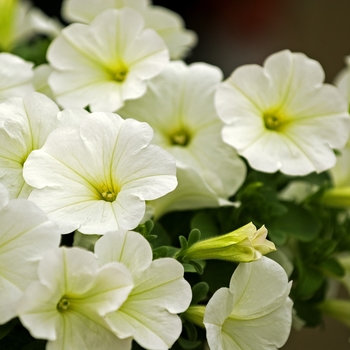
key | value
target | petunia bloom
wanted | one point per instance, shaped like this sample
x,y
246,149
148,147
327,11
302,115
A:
x,y
25,236
179,106
15,76
254,313
68,303
159,293
282,117
25,123
96,178
102,64
168,24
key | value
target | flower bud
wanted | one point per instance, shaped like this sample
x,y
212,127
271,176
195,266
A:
x,y
338,197
242,245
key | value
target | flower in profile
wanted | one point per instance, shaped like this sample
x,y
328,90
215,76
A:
x,y
186,124
168,24
282,117
254,313
96,178
15,76
25,123
159,293
25,236
68,303
242,245
102,64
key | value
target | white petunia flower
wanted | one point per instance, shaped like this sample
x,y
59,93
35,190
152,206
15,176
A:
x,y
68,304
179,105
97,178
25,123
19,21
168,24
282,117
160,291
25,236
105,63
254,313
15,76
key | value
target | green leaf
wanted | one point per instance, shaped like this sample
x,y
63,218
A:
x,y
298,223
199,292
34,51
149,224
277,236
160,252
332,267
194,237
205,224
311,280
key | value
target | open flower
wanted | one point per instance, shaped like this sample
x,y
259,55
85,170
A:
x,y
105,63
25,236
68,304
25,124
15,76
159,293
96,178
168,24
179,105
254,313
282,117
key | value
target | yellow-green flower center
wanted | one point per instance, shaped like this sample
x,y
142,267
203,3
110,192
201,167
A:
x,y
180,138
274,121
108,196
120,74
63,304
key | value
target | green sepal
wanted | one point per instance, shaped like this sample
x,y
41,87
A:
x,y
145,230
183,242
189,266
199,292
194,237
191,331
197,266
